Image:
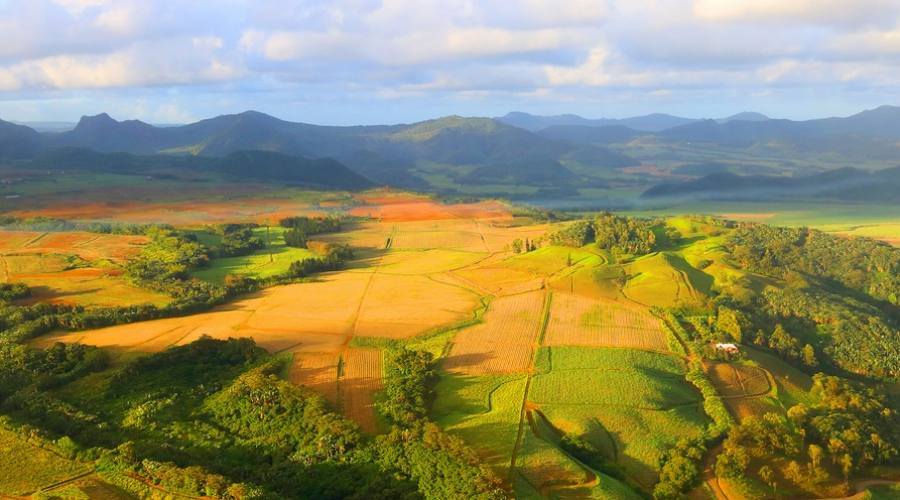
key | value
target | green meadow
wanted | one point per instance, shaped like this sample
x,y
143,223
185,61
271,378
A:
x,y
270,261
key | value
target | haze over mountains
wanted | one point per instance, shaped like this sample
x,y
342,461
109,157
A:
x,y
518,149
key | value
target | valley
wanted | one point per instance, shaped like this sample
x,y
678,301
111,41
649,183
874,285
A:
x,y
569,367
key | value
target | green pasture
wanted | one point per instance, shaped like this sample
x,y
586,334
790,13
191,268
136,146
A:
x,y
270,261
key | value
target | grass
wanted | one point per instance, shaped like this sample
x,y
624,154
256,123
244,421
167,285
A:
x,y
549,260
258,264
483,411
632,404
25,467
791,385
873,220
618,377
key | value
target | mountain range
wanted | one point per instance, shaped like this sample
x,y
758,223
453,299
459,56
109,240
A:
x,y
655,122
846,184
564,151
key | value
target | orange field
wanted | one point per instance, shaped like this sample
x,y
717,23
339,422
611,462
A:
x,y
178,213
398,306
361,371
87,246
504,341
744,389
73,267
580,321
402,208
318,372
733,380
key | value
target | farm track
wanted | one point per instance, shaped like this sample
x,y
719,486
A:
x,y
32,241
87,241
545,314
341,393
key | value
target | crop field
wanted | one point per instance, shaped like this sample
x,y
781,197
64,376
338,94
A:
x,y
316,316
275,259
504,341
423,209
86,246
595,281
745,389
317,371
656,280
179,203
361,374
632,404
25,468
581,321
73,267
365,236
484,411
792,385
403,306
875,221
736,381
550,260
544,465
428,261
463,235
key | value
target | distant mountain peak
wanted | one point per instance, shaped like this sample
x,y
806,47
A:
x,y
745,116
96,119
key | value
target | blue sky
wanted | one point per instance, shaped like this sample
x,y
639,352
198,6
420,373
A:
x,y
390,61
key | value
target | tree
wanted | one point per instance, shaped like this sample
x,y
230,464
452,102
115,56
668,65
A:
x,y
809,356
517,245
815,456
768,476
846,465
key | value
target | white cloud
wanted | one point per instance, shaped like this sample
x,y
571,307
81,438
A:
x,y
828,12
463,48
868,44
138,65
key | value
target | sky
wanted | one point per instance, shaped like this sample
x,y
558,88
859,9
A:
x,y
346,62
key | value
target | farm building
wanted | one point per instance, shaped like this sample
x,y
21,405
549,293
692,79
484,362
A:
x,y
729,348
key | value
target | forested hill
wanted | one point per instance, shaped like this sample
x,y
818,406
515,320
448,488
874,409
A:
x,y
383,153
255,165
847,184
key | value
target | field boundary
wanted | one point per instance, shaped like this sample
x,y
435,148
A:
x,y
545,316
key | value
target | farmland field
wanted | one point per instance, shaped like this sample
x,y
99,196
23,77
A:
x,y
73,267
580,321
270,261
484,411
317,371
361,372
656,280
25,468
504,341
634,404
533,349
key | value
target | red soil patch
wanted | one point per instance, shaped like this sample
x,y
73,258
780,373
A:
x,y
749,215
84,272
258,210
88,246
405,210
653,170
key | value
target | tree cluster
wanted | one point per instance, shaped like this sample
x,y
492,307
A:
x,y
238,239
299,229
627,235
847,427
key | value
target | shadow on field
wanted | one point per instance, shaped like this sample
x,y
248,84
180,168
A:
x,y
46,293
364,258
456,362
